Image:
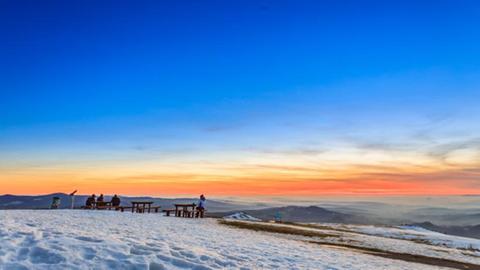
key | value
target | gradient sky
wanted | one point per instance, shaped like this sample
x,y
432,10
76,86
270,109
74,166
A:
x,y
300,98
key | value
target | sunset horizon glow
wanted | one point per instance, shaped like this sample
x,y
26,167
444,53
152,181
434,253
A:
x,y
240,98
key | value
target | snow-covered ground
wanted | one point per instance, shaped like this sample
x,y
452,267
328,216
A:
x,y
421,235
81,239
241,216
405,239
409,240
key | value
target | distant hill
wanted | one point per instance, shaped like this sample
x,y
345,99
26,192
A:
x,y
36,202
44,202
299,214
465,231
446,216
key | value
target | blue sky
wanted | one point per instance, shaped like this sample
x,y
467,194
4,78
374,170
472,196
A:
x,y
103,79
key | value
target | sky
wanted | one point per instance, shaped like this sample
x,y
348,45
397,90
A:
x,y
240,98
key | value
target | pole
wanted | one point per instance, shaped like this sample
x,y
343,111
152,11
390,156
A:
x,y
72,197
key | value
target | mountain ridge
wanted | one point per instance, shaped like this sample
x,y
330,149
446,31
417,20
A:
x,y
9,201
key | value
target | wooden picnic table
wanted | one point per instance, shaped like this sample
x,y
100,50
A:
x,y
101,206
182,210
141,206
104,205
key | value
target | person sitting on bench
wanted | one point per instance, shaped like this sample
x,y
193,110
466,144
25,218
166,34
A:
x,y
115,201
90,202
100,201
201,207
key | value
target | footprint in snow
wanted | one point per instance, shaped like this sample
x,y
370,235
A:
x,y
88,239
29,240
15,266
140,250
156,266
88,253
23,254
204,258
41,255
187,254
183,264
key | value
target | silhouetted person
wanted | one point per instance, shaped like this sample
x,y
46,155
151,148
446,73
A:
x,y
55,203
115,201
90,201
100,201
201,206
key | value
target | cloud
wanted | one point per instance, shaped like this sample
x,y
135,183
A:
x,y
443,151
383,146
302,151
220,128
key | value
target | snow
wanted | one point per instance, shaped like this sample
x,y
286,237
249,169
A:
x,y
411,241
399,240
421,234
241,216
88,239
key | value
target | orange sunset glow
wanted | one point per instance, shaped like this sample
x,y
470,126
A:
x,y
306,175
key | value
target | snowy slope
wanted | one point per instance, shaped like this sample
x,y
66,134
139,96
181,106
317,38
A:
x,y
395,239
81,239
241,216
420,234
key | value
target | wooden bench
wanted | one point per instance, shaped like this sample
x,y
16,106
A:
x,y
107,207
123,208
200,213
141,206
168,212
148,210
188,213
185,210
139,209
